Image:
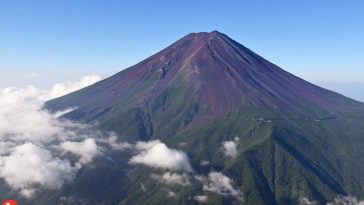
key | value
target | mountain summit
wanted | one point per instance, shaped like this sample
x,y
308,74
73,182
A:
x,y
218,74
290,140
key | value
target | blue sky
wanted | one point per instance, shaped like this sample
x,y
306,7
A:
x,y
43,42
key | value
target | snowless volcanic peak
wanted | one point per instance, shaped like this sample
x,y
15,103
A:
x,y
217,75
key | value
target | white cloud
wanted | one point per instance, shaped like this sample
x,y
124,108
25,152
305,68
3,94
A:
x,y
219,183
157,154
6,147
171,193
63,112
61,89
306,201
182,144
29,166
205,163
173,178
200,198
87,149
115,145
21,117
28,135
346,200
21,114
230,147
339,200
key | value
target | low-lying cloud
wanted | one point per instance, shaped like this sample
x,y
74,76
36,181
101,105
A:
x,y
346,200
173,178
200,198
60,89
204,163
156,154
31,138
86,149
219,183
230,147
171,193
306,201
36,145
339,200
29,166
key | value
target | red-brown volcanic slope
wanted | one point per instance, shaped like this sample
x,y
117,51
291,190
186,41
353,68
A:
x,y
219,73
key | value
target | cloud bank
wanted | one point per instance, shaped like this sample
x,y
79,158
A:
x,y
30,139
29,166
61,89
36,146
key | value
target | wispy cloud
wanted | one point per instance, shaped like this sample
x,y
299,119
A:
x,y
306,201
339,200
142,187
112,141
173,178
61,89
200,198
205,163
346,200
171,193
219,183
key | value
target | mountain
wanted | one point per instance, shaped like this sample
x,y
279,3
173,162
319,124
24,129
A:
x,y
214,75
294,139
